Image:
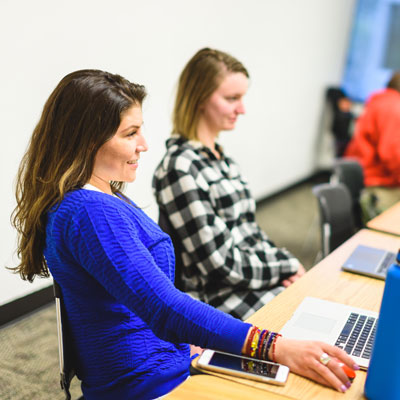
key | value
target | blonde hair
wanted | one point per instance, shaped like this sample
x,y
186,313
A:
x,y
199,79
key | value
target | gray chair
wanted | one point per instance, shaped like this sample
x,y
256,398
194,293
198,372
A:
x,y
349,172
65,352
336,215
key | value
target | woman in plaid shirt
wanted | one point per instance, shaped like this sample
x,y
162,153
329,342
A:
x,y
223,257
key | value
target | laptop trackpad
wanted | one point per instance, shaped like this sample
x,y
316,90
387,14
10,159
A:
x,y
315,323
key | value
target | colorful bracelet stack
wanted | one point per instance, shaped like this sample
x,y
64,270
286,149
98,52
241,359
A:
x,y
259,343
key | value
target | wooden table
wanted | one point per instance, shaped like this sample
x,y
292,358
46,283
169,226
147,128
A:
x,y
207,387
388,221
326,281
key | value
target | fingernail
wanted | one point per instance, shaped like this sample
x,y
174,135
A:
x,y
356,367
348,384
343,388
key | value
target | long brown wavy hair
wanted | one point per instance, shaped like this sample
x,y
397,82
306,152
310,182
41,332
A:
x,y
199,79
82,113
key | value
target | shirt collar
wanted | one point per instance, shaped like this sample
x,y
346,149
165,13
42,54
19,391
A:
x,y
179,140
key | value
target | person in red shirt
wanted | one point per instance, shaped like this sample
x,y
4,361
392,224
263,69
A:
x,y
376,145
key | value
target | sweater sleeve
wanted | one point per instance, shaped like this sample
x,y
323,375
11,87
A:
x,y
107,244
210,243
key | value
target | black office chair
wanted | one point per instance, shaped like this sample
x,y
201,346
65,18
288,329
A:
x,y
341,120
336,216
349,172
65,352
166,226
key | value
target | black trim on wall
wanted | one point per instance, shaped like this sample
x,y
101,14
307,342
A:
x,y
317,177
24,305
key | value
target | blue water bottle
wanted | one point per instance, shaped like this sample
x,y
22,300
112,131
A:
x,y
383,377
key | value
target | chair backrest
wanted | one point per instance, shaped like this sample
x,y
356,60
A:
x,y
349,172
336,216
166,226
65,352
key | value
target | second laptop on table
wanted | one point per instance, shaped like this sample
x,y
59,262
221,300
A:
x,y
370,261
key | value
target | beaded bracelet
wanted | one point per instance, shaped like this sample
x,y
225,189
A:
x,y
265,345
249,340
270,340
277,335
254,343
261,342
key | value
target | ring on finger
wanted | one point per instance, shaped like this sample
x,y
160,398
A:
x,y
324,358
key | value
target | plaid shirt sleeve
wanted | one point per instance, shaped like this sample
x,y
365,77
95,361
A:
x,y
214,218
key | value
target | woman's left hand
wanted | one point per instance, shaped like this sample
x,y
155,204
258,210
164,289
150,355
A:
x,y
315,360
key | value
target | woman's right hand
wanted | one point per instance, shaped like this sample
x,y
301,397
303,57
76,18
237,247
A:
x,y
304,358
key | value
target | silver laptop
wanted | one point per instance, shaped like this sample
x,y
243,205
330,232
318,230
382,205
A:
x,y
370,261
352,329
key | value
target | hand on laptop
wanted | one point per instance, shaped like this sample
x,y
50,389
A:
x,y
306,358
300,272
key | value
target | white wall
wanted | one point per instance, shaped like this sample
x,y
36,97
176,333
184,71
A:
x,y
293,49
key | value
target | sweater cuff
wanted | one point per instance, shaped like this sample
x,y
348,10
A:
x,y
235,332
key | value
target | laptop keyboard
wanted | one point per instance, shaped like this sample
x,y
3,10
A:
x,y
357,336
387,262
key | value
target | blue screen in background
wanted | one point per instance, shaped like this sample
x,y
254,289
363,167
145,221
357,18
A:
x,y
244,365
374,48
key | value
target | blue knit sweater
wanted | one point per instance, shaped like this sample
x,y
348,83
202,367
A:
x,y
130,326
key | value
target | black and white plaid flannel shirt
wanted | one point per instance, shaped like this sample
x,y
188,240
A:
x,y
228,261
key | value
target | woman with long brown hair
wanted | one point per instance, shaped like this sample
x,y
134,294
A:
x,y
130,327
